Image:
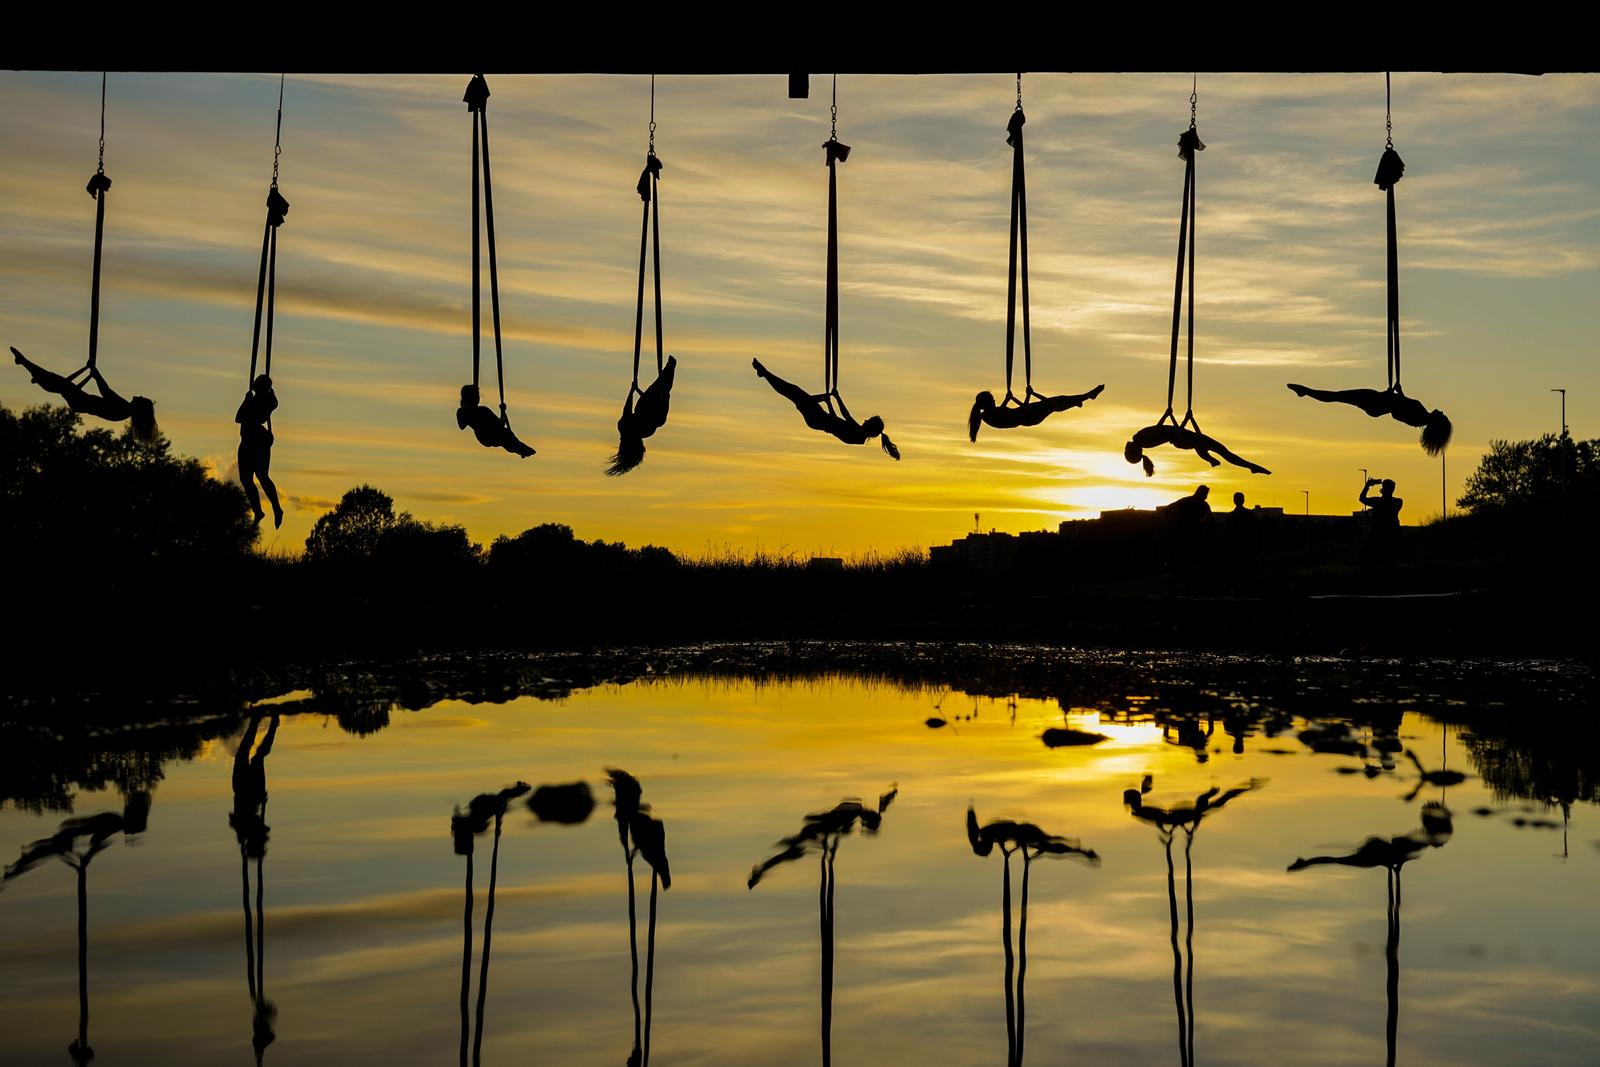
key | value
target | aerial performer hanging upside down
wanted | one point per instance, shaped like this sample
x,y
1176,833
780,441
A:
x,y
255,447
1034,410
1393,402
140,412
1170,433
491,430
640,420
819,414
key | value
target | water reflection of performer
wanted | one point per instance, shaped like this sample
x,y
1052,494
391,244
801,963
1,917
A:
x,y
95,833
1187,817
1393,853
823,832
1031,842
249,822
640,835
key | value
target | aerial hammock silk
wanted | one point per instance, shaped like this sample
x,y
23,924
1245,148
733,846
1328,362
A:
x,y
642,418
1169,429
1033,407
260,399
104,402
491,431
826,411
1393,402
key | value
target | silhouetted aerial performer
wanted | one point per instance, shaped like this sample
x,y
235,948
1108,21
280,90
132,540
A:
x,y
1167,821
464,826
1170,433
249,822
819,412
255,412
1033,407
1392,401
1169,429
640,835
1392,853
255,446
645,415
490,430
105,402
1031,842
825,411
96,831
822,832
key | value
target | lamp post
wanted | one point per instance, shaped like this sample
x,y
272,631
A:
x,y
1561,442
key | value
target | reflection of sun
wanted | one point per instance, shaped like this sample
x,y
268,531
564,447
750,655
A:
x,y
1132,735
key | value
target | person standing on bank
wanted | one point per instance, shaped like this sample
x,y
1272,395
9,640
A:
x,y
1384,515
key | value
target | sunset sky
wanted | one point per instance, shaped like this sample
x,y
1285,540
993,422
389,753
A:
x,y
1499,218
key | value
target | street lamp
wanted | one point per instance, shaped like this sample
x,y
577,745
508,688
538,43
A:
x,y
1563,393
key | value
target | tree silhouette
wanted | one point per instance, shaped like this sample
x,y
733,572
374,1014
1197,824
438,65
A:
x,y
65,494
1516,474
355,527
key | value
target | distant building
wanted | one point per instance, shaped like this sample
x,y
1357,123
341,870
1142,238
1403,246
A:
x,y
1129,543
825,563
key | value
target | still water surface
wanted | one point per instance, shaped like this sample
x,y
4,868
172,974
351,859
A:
x,y
1226,957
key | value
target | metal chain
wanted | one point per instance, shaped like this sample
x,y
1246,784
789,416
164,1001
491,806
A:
x,y
1019,90
1194,100
101,169
833,132
277,146
1388,119
652,115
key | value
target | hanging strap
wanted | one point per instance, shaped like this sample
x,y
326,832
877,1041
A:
x,y
267,279
837,153
1019,238
1188,144
1391,168
1188,416
98,185
649,190
476,99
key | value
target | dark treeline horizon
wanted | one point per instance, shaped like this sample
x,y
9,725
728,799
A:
x,y
129,563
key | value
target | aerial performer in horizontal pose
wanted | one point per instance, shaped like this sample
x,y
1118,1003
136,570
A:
x,y
825,411
644,411
1392,401
1170,433
817,409
1009,415
1033,407
105,402
1183,433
